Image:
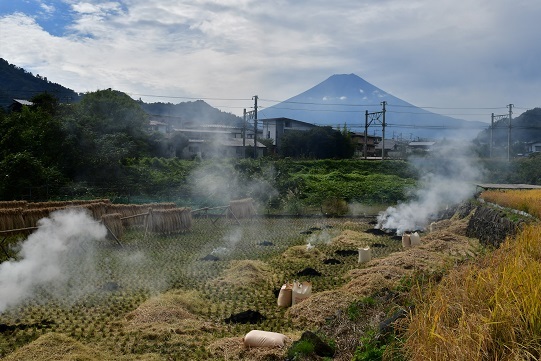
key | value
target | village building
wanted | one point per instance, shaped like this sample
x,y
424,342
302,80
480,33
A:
x,y
275,128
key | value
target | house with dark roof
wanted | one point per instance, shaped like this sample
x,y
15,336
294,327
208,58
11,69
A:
x,y
275,128
18,104
220,141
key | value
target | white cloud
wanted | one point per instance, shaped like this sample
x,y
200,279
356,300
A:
x,y
48,9
444,53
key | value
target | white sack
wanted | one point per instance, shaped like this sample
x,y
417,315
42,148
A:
x,y
257,338
285,295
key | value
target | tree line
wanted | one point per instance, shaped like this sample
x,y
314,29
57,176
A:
x,y
101,141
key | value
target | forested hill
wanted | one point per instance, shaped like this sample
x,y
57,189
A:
x,y
189,114
17,83
525,128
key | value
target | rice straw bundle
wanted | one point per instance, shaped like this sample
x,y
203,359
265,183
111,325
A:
x,y
13,204
128,210
242,208
97,209
168,205
114,225
11,219
169,221
64,204
132,210
32,216
53,204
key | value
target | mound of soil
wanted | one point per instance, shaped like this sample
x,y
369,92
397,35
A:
x,y
302,253
244,273
209,257
244,317
308,272
56,346
316,309
266,243
332,261
346,252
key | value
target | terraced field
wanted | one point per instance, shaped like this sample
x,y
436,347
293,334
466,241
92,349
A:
x,y
168,297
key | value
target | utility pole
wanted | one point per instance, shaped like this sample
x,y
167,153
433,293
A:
x,y
244,133
383,103
509,133
495,118
255,97
491,135
369,118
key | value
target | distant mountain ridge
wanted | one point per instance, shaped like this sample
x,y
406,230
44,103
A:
x,y
17,83
345,98
190,114
526,128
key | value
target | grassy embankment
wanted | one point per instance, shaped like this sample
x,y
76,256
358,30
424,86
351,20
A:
x,y
488,309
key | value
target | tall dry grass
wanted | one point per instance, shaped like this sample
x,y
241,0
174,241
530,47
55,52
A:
x,y
490,310
526,200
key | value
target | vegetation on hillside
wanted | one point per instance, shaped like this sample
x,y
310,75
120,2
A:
x,y
15,82
187,114
100,147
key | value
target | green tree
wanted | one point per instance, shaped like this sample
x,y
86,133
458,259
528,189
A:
x,y
317,143
103,130
31,150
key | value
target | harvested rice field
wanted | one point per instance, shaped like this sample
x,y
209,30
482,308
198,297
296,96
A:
x,y
174,297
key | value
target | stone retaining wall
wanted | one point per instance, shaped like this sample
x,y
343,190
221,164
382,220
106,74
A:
x,y
491,226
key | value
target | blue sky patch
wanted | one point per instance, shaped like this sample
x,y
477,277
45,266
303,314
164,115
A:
x,y
52,16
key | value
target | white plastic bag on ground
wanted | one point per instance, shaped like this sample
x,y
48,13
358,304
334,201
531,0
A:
x,y
258,338
300,292
406,240
365,254
415,239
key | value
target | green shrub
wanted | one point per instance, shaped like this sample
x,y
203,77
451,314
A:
x,y
300,349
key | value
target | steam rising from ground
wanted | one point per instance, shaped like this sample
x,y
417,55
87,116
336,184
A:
x,y
447,179
229,242
45,257
221,183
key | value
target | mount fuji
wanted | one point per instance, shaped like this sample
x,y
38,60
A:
x,y
345,99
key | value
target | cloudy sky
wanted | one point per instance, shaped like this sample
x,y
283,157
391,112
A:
x,y
465,58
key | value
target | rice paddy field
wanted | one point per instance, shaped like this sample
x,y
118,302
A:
x,y
528,201
172,297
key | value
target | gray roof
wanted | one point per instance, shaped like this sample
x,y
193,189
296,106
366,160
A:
x,y
421,144
389,144
23,102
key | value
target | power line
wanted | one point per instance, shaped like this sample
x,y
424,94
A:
x,y
452,108
190,98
